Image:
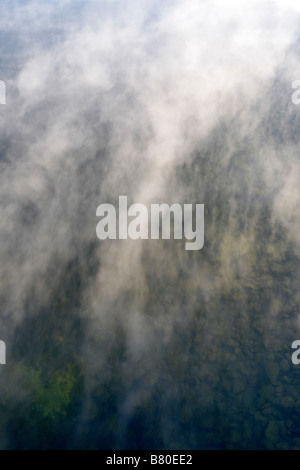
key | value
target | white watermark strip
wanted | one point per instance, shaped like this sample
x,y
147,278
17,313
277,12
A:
x,y
2,92
2,352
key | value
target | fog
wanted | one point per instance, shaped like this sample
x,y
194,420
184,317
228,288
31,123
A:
x,y
149,345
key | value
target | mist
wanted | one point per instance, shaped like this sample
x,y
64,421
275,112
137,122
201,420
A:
x,y
140,344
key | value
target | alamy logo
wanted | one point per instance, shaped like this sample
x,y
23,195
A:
x,y
160,221
2,92
296,94
296,354
2,353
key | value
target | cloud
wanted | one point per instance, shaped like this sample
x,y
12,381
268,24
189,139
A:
x,y
113,98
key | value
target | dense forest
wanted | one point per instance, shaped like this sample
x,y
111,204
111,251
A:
x,y
122,344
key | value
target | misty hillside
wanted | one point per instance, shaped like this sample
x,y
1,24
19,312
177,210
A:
x,y
141,344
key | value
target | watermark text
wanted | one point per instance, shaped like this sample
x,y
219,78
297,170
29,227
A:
x,y
185,222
